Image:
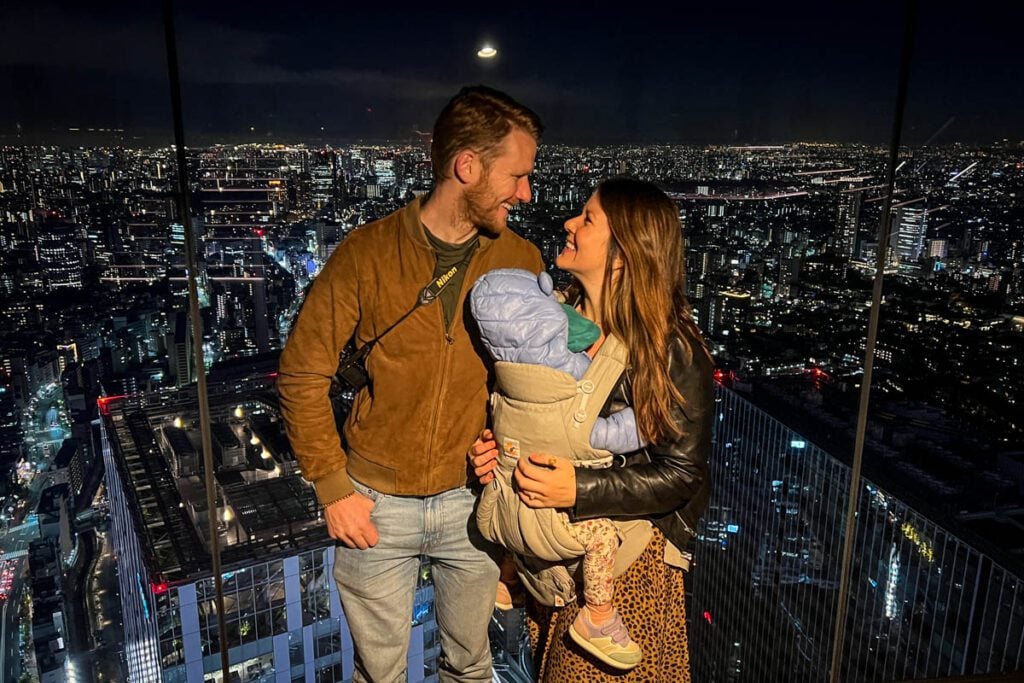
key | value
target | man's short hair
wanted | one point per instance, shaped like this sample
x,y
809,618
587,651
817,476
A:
x,y
478,118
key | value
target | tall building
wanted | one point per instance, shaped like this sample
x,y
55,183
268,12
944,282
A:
x,y
67,464
789,275
61,255
924,602
327,239
323,176
49,617
180,358
241,321
731,310
906,241
844,238
284,621
938,248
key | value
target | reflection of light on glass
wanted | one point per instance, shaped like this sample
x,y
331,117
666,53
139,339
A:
x,y
922,544
891,581
486,52
420,612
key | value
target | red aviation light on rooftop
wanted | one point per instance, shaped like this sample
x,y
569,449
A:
x,y
159,587
725,377
707,616
103,402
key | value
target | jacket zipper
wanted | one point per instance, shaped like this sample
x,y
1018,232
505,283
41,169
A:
x,y
439,398
446,353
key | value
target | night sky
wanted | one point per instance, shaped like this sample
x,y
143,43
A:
x,y
611,73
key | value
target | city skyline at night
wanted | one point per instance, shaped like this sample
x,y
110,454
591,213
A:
x,y
766,126
781,246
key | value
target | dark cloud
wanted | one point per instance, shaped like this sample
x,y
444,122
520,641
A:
x,y
599,73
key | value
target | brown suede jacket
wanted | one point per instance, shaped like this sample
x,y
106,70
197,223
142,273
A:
x,y
408,433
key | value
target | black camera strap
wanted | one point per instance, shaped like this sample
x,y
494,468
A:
x,y
351,373
426,296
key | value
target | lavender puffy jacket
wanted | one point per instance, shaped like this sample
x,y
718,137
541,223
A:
x,y
521,321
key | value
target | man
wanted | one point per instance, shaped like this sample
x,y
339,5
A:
x,y
397,489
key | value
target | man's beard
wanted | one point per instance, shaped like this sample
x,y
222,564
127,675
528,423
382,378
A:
x,y
477,211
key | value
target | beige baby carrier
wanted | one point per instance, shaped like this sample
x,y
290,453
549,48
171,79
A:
x,y
537,409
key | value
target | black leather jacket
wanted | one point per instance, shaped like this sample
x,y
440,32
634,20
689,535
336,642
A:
x,y
667,482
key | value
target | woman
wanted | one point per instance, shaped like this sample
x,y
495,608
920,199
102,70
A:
x,y
625,252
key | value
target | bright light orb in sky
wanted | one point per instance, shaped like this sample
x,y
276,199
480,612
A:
x,y
487,52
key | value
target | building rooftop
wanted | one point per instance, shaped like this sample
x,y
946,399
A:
x,y
179,442
67,451
273,507
49,499
263,507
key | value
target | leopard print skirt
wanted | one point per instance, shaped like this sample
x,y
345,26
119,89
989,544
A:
x,y
651,599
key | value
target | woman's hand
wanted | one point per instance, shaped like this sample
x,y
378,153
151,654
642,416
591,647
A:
x,y
545,481
483,456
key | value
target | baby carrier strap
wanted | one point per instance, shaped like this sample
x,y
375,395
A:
x,y
592,391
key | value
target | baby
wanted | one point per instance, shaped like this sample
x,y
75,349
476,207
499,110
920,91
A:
x,y
545,385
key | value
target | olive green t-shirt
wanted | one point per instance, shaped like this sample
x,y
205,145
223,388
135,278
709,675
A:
x,y
449,255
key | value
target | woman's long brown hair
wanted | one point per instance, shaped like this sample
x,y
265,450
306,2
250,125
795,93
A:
x,y
644,301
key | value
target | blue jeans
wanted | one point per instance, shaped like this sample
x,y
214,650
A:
x,y
377,585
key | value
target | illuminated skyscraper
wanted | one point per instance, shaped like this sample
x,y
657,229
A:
x,y
844,239
284,621
938,248
61,255
907,237
731,310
